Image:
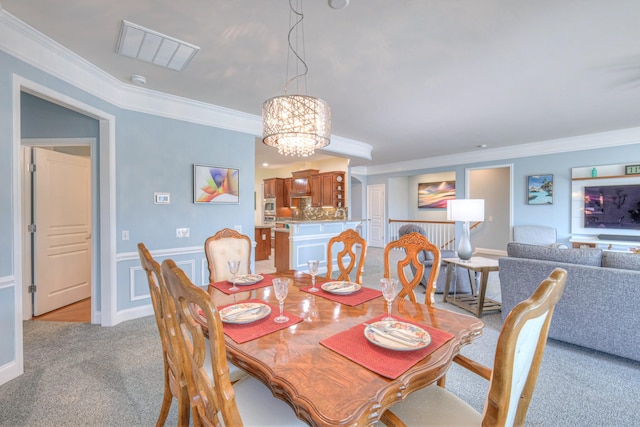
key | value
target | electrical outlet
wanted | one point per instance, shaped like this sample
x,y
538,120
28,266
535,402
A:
x,y
182,232
238,228
125,234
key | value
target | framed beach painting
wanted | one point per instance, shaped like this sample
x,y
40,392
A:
x,y
215,185
434,195
540,189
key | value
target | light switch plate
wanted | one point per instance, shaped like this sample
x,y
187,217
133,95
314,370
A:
x,y
182,232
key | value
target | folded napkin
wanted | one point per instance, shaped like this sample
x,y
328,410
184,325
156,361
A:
x,y
356,298
353,345
224,285
242,333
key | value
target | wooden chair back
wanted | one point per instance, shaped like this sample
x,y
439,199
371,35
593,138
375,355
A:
x,y
223,246
173,377
519,354
350,241
211,396
413,244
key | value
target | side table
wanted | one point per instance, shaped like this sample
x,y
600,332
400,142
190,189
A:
x,y
477,303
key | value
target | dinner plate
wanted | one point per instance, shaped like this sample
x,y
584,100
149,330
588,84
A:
x,y
340,287
247,279
395,335
245,312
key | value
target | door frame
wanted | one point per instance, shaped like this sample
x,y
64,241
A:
x,y
106,247
27,259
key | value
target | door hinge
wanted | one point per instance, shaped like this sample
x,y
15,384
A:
x,y
31,228
32,289
32,167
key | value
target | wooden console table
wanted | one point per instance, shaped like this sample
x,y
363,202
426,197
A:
x,y
477,304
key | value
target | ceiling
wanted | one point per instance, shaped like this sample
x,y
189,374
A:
x,y
414,78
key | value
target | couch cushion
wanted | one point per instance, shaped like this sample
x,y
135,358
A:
x,y
621,260
592,257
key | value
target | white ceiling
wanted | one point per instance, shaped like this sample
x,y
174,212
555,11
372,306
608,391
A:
x,y
413,78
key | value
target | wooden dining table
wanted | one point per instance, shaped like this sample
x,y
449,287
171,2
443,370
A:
x,y
323,387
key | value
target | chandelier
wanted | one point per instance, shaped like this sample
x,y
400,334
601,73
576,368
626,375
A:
x,y
296,124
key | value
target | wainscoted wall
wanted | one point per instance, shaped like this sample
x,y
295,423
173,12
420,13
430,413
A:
x,y
133,290
10,366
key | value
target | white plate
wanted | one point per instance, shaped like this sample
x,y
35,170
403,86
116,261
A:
x,y
396,335
340,287
247,279
245,312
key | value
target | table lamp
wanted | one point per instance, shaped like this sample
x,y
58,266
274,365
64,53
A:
x,y
465,210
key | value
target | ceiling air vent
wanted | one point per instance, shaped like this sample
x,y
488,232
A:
x,y
150,46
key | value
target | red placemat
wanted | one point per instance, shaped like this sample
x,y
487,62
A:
x,y
241,333
224,285
353,345
356,298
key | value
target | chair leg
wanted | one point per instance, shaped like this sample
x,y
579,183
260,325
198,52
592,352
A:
x,y
184,408
166,400
390,419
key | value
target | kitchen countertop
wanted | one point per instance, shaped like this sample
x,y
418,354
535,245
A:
x,y
312,221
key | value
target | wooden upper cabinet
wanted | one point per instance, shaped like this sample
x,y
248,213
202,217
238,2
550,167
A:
x,y
286,198
274,188
316,190
327,189
270,188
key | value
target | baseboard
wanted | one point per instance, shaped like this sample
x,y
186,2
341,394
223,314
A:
x,y
132,313
10,371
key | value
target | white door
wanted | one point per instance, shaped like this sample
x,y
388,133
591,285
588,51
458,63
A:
x,y
375,215
62,240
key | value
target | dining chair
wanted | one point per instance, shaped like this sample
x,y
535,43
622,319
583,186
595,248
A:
x,y
517,361
414,245
223,246
214,399
174,383
350,241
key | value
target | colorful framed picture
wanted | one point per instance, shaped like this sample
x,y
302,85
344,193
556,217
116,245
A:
x,y
434,195
215,185
540,189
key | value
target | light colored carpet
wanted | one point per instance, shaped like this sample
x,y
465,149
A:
x,y
87,375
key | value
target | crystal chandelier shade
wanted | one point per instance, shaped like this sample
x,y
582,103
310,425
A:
x,y
296,124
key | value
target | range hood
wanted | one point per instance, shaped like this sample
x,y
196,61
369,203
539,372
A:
x,y
301,184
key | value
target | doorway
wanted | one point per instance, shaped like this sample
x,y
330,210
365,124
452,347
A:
x,y
57,200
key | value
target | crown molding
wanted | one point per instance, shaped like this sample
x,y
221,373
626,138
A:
x,y
553,146
36,49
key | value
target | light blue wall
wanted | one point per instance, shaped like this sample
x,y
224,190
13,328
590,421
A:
x,y
152,154
558,214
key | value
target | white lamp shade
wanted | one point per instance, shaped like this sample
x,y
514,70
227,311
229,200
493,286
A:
x,y
465,210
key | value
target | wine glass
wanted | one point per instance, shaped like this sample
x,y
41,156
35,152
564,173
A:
x,y
281,289
313,270
234,266
390,289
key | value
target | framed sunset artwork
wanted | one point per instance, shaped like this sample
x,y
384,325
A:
x,y
434,195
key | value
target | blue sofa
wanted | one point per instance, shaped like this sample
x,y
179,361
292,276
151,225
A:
x,y
600,308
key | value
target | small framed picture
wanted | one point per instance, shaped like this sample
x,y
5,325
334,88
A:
x,y
215,185
435,194
161,198
540,189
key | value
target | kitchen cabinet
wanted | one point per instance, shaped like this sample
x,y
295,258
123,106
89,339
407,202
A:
x,y
274,188
286,193
328,190
281,254
315,183
263,243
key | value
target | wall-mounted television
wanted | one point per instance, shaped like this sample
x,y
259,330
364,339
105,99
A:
x,y
612,207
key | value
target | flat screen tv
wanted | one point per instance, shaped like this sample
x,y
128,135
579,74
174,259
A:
x,y
612,207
